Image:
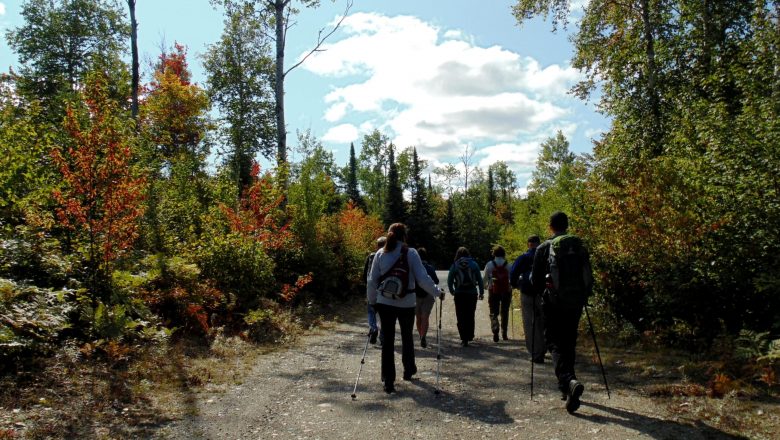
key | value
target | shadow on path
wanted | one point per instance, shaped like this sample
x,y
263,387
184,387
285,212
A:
x,y
652,426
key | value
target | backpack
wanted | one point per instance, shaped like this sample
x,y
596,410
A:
x,y
571,278
394,283
464,276
421,293
500,284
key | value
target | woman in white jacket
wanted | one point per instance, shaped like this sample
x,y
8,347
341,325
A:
x,y
395,272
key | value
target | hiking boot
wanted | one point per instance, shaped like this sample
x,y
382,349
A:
x,y
464,343
372,334
573,400
408,374
389,388
381,339
495,337
423,342
504,336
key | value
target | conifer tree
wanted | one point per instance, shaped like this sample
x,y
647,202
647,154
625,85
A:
x,y
394,210
491,192
353,192
420,219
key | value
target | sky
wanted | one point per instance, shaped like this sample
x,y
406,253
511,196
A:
x,y
439,75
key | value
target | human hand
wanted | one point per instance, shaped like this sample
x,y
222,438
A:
x,y
481,297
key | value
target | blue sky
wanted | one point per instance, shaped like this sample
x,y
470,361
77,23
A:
x,y
436,74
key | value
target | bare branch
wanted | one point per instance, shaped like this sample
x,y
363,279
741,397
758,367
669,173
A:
x,y
321,39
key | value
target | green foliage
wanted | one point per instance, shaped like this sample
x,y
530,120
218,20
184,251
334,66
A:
x,y
239,266
240,74
394,208
32,320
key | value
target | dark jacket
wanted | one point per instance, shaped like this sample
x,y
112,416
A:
x,y
520,274
431,273
541,267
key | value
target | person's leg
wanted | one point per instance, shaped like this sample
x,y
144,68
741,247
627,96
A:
x,y
406,322
460,315
418,316
372,328
567,342
553,330
472,310
387,317
506,300
493,304
540,347
527,304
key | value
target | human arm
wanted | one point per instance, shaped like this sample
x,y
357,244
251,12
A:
x,y
480,281
451,279
489,275
539,269
371,281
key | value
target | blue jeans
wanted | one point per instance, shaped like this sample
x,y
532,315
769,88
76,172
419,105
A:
x,y
371,318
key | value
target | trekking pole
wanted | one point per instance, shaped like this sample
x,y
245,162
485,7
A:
x,y
512,312
533,346
438,347
598,354
362,362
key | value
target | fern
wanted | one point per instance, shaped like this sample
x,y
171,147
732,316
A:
x,y
751,345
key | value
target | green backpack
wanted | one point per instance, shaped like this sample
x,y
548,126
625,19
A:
x,y
570,271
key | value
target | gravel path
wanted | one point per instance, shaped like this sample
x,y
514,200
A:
x,y
304,393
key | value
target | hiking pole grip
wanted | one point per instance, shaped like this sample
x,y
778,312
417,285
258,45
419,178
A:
x,y
598,353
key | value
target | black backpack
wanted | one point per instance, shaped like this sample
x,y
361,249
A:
x,y
571,277
464,276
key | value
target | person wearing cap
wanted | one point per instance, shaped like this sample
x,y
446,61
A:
x,y
373,329
533,321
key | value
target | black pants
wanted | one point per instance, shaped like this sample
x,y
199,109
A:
x,y
405,317
560,334
499,303
465,306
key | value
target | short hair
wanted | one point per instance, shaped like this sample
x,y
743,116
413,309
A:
x,y
534,239
498,251
559,221
461,252
380,242
423,253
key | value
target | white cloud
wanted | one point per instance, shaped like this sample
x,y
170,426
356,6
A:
x,y
2,8
437,90
341,134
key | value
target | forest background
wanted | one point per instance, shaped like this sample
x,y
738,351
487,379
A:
x,y
117,232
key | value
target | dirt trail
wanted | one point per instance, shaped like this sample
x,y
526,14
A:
x,y
304,393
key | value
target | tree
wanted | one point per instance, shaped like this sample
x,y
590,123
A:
x,y
174,121
136,78
100,198
420,221
394,209
278,14
353,191
239,75
447,174
467,160
553,161
491,192
372,170
60,41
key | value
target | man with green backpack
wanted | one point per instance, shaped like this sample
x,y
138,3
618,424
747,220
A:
x,y
563,277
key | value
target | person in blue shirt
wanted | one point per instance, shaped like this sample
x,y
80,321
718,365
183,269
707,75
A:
x,y
464,281
533,321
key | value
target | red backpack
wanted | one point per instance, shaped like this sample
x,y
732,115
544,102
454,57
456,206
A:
x,y
500,277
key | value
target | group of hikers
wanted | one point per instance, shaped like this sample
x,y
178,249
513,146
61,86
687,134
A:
x,y
554,278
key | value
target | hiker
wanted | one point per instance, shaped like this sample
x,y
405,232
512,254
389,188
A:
x,y
373,331
499,291
533,320
562,275
395,272
463,281
424,301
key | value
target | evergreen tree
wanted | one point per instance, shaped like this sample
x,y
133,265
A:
x,y
353,192
394,210
449,239
491,192
421,218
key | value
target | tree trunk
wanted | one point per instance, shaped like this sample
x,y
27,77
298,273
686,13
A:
x,y
134,49
652,93
281,129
